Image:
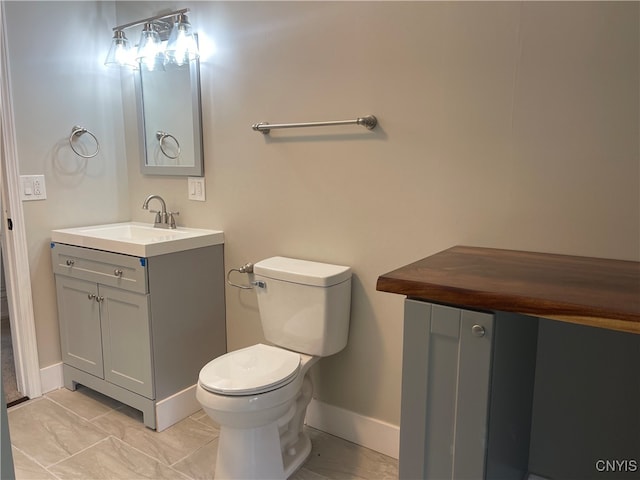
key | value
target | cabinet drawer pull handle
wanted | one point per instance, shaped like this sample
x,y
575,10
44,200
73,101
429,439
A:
x,y
91,296
70,263
117,272
478,331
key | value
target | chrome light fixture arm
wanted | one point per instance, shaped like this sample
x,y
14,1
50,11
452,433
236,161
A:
x,y
154,19
167,26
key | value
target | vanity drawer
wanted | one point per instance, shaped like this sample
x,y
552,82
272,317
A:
x,y
113,269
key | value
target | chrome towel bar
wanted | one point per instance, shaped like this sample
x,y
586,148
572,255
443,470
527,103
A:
x,y
368,121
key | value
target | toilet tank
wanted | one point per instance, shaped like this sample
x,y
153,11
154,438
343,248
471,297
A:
x,y
304,306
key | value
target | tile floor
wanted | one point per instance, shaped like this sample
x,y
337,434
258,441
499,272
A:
x,y
85,435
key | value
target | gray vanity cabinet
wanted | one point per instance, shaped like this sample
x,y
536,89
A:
x,y
445,390
559,390
79,315
140,329
105,331
467,389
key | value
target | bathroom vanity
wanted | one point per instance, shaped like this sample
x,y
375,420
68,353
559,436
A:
x,y
141,311
519,362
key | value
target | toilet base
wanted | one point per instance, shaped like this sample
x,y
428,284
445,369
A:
x,y
294,460
272,451
255,454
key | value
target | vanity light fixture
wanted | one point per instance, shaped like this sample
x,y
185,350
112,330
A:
x,y
120,53
170,29
181,47
150,54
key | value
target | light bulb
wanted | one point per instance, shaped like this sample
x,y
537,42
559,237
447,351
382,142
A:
x,y
119,54
149,49
181,47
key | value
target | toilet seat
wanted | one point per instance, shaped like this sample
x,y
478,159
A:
x,y
250,371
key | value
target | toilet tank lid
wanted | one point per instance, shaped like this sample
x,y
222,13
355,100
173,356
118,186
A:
x,y
302,271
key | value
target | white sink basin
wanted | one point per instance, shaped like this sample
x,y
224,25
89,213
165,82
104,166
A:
x,y
138,239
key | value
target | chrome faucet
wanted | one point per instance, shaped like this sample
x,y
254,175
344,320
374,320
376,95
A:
x,y
163,218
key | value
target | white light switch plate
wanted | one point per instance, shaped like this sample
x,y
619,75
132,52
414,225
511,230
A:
x,y
196,188
32,187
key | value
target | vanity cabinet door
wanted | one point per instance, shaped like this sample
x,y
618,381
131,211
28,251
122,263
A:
x,y
105,331
445,392
79,315
126,340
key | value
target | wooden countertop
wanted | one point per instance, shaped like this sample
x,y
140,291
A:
x,y
589,291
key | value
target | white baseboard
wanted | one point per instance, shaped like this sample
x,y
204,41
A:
x,y
366,431
51,378
369,432
168,411
176,407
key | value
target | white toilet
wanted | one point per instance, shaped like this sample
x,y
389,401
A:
x,y
259,394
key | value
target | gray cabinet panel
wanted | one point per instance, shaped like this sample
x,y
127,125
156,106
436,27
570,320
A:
x,y
126,340
113,269
187,307
586,407
413,419
79,315
442,368
140,329
472,398
513,366
445,389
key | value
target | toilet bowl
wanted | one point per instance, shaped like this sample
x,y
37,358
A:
x,y
259,395
261,431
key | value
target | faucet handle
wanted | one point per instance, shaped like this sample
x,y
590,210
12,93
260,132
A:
x,y
172,221
158,218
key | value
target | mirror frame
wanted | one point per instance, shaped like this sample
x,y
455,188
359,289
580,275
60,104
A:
x,y
197,170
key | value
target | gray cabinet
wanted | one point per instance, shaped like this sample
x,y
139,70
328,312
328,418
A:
x,y
140,329
445,389
462,371
105,331
126,339
80,333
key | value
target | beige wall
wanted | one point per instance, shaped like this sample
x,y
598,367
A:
x,y
58,80
510,125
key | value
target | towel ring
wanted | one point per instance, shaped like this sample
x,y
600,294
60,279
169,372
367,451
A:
x,y
77,131
160,135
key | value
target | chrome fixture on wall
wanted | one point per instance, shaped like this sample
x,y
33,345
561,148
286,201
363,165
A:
x,y
76,132
368,121
246,268
151,53
166,151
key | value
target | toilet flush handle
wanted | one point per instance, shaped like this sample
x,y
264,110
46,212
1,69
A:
x,y
259,284
246,268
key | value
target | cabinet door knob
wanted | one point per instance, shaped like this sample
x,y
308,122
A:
x,y
99,299
70,262
478,330
117,272
91,296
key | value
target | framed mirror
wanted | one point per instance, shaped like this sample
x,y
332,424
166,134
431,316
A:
x,y
170,120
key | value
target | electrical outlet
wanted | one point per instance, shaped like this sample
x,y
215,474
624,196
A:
x,y
196,189
32,187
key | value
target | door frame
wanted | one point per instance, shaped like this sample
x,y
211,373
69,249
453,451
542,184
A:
x,y
14,241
